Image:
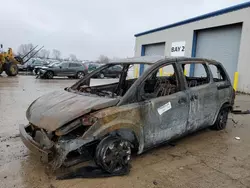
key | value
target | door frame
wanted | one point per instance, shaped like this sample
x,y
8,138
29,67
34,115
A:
x,y
143,49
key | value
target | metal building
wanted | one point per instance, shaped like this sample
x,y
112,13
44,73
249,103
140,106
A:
x,y
222,35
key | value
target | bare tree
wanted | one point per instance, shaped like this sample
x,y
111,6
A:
x,y
56,54
44,53
72,57
103,59
24,49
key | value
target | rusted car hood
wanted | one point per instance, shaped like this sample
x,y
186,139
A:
x,y
55,109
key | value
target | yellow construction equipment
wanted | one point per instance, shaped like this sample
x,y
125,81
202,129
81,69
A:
x,y
8,62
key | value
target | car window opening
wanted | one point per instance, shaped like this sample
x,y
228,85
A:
x,y
218,74
200,76
121,78
161,82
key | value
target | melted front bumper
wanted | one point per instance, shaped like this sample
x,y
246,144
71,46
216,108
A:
x,y
34,147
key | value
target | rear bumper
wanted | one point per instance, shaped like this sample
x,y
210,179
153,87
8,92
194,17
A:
x,y
34,147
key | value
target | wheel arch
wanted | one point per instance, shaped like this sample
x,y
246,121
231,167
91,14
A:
x,y
51,71
126,134
126,130
224,105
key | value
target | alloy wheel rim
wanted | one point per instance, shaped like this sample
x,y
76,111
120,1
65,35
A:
x,y
50,75
116,155
80,75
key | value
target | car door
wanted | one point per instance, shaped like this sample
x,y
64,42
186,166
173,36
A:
x,y
73,67
117,71
108,72
203,98
166,111
63,69
223,85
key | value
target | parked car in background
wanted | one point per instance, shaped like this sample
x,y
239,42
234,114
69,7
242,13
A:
x,y
112,72
69,69
35,63
93,66
107,122
25,65
50,64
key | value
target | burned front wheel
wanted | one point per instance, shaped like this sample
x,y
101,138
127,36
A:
x,y
221,120
113,154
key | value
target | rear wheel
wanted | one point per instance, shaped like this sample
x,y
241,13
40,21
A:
x,y
80,75
11,69
49,75
221,120
113,154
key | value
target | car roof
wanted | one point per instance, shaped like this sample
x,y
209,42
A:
x,y
71,62
153,59
138,60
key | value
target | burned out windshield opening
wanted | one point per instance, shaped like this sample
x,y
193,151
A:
x,y
110,80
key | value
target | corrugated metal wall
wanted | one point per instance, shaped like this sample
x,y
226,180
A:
x,y
221,44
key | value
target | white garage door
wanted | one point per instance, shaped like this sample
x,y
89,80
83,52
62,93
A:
x,y
154,49
221,44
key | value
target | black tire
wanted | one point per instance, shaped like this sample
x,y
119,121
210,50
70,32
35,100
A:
x,y
221,120
80,75
49,74
113,154
11,69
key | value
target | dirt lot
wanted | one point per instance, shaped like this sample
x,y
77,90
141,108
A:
x,y
204,159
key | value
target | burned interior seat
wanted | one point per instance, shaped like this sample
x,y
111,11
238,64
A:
x,y
192,83
164,87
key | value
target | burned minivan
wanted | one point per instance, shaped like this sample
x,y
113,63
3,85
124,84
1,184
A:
x,y
107,122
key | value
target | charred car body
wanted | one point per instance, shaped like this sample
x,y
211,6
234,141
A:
x,y
107,122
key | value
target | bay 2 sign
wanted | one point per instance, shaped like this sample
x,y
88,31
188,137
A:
x,y
178,48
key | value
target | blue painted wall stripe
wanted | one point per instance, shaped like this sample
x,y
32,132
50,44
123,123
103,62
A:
x,y
205,16
142,65
192,66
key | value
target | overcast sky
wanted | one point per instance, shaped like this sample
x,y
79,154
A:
x,y
88,28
